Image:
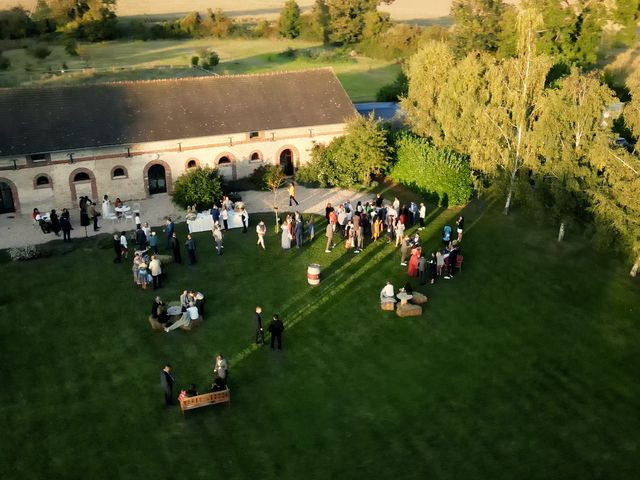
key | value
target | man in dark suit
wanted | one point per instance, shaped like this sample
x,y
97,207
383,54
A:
x,y
166,380
169,228
276,327
175,247
259,330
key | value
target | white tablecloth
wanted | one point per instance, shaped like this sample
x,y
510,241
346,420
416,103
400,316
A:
x,y
204,222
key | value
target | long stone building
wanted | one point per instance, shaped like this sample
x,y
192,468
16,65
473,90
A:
x,y
133,139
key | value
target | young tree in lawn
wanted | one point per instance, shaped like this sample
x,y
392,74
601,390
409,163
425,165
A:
x,y
289,22
477,25
274,178
569,136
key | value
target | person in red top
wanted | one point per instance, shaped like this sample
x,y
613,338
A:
x,y
413,262
333,219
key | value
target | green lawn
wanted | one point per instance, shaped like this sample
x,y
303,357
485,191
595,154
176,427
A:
x,y
103,62
523,366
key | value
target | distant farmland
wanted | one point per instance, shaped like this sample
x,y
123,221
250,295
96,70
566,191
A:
x,y
417,10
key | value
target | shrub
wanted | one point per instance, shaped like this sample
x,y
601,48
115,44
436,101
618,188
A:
x,y
288,53
393,91
432,170
214,59
195,60
5,63
199,187
351,159
24,253
40,52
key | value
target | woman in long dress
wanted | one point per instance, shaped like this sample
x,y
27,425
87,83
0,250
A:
x,y
286,236
413,262
106,207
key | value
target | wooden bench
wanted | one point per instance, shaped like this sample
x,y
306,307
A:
x,y
206,399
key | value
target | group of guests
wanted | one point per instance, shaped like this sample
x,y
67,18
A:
x,y
293,230
220,213
51,222
219,382
189,308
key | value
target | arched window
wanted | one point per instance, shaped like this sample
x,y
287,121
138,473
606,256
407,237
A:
x,y
255,157
118,172
81,177
42,181
192,163
223,160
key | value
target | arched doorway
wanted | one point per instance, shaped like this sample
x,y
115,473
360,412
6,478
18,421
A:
x,y
6,199
157,179
286,161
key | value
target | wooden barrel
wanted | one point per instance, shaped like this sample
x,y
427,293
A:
x,y
313,274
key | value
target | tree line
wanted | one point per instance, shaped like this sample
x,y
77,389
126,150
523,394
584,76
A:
x,y
533,132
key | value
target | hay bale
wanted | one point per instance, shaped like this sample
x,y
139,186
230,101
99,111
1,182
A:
x,y
388,306
419,299
409,310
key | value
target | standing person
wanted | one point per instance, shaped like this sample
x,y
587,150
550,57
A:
x,y
153,242
175,248
460,225
257,317
261,230
217,237
439,262
224,215
244,216
141,239
276,327
422,270
94,214
191,249
65,225
299,230
376,228
446,235
413,212
117,248
215,214
432,269
137,220
106,207
422,214
412,270
311,228
399,233
55,222
405,246
327,211
166,380
359,238
379,200
155,267
147,230
285,237
169,228
292,194
396,205
124,247
221,368
329,235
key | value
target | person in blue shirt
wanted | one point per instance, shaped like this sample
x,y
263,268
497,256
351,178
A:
x,y
446,234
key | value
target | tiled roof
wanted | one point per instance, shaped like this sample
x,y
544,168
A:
x,y
39,120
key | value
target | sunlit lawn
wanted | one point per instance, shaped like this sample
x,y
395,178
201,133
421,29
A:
x,y
523,366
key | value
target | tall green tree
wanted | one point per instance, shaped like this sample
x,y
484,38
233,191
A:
x,y
632,108
569,138
320,20
42,16
477,25
616,202
289,22
347,18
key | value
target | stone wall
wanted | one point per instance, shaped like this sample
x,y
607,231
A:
x,y
61,179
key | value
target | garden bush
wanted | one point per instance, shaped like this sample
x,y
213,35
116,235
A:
x,y
40,52
199,187
432,170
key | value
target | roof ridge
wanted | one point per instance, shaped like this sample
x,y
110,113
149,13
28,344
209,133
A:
x,y
272,73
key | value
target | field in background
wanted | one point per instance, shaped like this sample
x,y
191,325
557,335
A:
x,y
405,10
138,60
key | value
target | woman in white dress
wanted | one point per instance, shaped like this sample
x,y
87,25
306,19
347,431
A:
x,y
286,236
106,207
